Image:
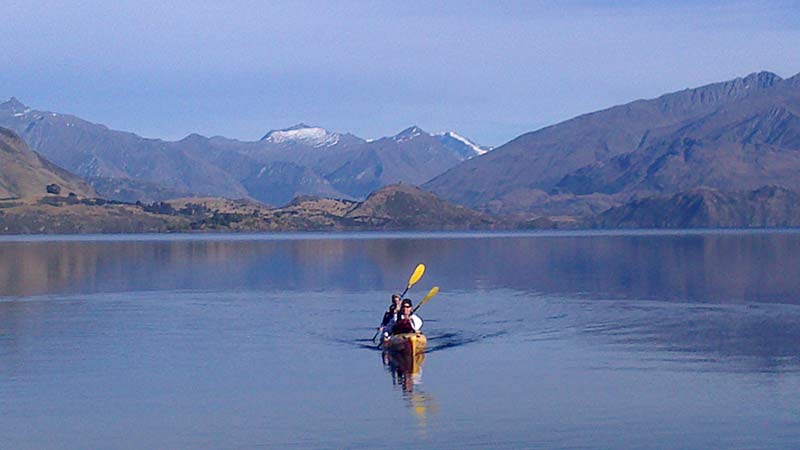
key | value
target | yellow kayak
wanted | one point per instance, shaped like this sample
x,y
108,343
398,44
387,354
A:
x,y
410,343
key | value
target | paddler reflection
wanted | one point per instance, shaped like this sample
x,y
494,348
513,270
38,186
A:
x,y
406,370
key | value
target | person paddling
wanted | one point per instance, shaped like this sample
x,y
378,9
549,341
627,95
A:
x,y
407,321
390,316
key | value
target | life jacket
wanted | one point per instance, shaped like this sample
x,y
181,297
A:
x,y
403,326
410,325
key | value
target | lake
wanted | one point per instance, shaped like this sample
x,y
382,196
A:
x,y
536,340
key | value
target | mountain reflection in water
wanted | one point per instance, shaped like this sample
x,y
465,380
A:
x,y
706,268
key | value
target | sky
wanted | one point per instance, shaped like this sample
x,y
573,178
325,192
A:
x,y
489,70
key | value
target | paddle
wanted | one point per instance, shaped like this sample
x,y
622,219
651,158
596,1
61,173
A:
x,y
433,291
414,278
418,272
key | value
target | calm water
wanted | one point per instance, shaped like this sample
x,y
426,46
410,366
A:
x,y
679,340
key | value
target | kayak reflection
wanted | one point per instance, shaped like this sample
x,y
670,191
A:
x,y
406,371
406,368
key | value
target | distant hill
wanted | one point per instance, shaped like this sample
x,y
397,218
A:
x,y
25,174
738,134
396,207
769,206
299,160
407,207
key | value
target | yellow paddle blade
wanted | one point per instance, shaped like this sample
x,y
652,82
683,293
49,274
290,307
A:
x,y
416,275
429,296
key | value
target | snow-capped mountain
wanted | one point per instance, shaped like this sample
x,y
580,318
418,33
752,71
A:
x,y
462,146
408,134
304,135
286,162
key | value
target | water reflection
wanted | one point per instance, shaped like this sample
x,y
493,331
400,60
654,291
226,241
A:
x,y
713,268
406,372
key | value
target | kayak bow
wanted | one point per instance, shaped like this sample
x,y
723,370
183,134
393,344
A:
x,y
410,343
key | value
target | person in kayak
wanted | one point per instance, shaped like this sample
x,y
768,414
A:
x,y
407,321
390,316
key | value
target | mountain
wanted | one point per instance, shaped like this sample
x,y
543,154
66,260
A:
x,y
743,128
24,173
326,163
300,144
744,144
279,182
304,135
769,206
413,156
284,163
96,153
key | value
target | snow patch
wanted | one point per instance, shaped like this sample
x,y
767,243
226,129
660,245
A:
x,y
479,151
313,136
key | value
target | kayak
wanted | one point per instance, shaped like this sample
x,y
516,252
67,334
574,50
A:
x,y
409,343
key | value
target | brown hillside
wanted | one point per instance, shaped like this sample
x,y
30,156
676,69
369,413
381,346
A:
x,y
24,173
402,206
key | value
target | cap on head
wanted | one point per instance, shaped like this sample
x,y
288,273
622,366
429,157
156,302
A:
x,y
407,301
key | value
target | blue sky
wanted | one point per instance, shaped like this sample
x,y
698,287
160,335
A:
x,y
488,70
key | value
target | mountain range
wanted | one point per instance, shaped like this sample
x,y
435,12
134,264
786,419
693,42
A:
x,y
300,160
725,154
